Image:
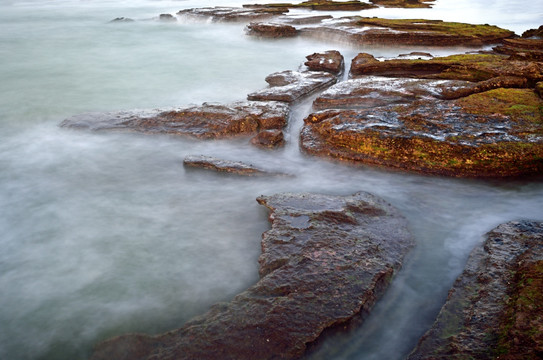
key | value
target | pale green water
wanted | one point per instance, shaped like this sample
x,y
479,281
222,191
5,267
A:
x,y
103,234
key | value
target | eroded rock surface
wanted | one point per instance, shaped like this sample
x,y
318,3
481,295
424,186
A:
x,y
497,133
228,166
206,121
269,139
271,30
494,308
325,261
330,61
366,31
289,86
323,5
230,14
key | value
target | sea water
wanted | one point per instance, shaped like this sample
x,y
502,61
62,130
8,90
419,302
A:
x,y
103,234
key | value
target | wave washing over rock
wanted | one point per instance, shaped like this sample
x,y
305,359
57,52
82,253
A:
x,y
325,262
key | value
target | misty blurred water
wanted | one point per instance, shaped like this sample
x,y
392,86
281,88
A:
x,y
107,233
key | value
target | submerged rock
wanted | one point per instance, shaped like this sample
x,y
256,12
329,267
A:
x,y
228,166
230,14
494,309
167,18
497,133
268,139
121,20
289,86
325,261
206,121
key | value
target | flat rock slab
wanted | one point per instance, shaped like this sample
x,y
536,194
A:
x,y
207,121
469,67
289,86
325,260
498,133
374,91
323,5
330,61
228,166
494,308
230,14
271,30
377,31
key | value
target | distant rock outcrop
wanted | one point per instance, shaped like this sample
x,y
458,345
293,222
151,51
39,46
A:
x,y
325,261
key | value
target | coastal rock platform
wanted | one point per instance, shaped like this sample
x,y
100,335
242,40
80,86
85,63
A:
x,y
494,309
325,262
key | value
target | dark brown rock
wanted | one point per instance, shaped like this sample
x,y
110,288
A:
x,y
367,31
289,86
330,61
323,5
522,49
167,18
505,82
470,67
271,30
404,3
206,121
228,166
268,139
498,133
231,14
325,260
533,33
374,91
494,309
121,20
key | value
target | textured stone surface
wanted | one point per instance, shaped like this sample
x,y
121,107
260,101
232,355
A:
x,y
498,133
230,14
330,61
494,308
228,166
271,30
268,139
325,260
323,5
289,86
206,121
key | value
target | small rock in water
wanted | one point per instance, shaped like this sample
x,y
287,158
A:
x,y
234,167
122,19
167,18
330,61
269,139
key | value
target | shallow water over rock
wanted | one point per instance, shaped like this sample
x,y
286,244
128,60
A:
x,y
106,233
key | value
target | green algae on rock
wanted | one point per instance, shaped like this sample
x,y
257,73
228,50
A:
x,y
470,67
494,310
324,5
498,133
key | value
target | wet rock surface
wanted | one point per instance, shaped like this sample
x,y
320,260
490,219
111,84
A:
x,y
323,5
325,261
206,121
271,30
231,14
470,67
330,61
269,139
497,133
289,86
367,31
494,308
227,166
404,3
522,49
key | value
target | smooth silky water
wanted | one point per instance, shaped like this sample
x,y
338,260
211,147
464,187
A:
x,y
107,233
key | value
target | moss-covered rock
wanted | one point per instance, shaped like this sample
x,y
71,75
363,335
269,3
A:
x,y
498,133
408,4
495,308
470,67
324,5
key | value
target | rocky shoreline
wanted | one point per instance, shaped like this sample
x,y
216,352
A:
x,y
327,259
